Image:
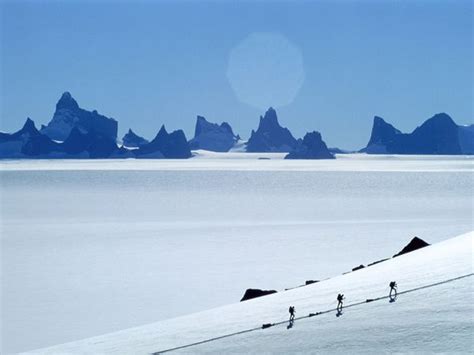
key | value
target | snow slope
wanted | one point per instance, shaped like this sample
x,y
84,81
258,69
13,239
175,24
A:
x,y
438,318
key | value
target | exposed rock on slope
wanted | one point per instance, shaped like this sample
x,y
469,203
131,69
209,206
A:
x,y
213,137
415,243
255,292
270,136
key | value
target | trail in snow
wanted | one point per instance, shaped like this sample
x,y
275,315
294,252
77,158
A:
x,y
433,313
266,326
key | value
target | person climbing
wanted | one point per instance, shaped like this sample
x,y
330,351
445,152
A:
x,y
292,313
393,291
340,298
292,317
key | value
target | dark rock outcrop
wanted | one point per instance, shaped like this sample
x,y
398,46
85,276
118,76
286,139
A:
x,y
358,267
378,262
415,243
254,293
69,115
270,136
94,145
28,130
27,142
383,135
311,147
309,282
169,145
132,140
437,135
40,146
213,137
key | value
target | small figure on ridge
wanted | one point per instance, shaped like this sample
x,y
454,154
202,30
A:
x,y
292,317
292,313
393,291
340,298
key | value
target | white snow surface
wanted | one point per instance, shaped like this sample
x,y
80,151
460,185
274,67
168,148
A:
x,y
242,161
90,247
437,319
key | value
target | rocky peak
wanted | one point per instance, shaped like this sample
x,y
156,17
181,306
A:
x,y
415,243
311,147
269,121
68,115
132,140
440,121
171,145
212,136
29,126
270,136
382,132
67,102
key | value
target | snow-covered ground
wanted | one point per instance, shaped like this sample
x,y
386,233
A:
x,y
159,239
240,161
434,319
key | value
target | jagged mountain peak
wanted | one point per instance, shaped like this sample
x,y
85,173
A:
x,y
29,125
133,140
311,146
212,136
270,136
67,102
269,120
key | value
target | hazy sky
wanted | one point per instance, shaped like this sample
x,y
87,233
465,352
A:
x,y
147,63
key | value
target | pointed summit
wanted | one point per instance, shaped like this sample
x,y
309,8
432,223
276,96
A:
x,y
166,145
29,126
415,243
132,140
67,102
29,142
162,133
28,130
269,120
382,135
270,136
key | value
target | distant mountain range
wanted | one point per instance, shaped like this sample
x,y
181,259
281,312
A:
x,y
76,133
437,135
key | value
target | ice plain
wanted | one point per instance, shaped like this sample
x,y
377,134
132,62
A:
x,y
122,243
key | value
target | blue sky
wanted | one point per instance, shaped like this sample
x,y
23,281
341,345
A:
x,y
148,63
